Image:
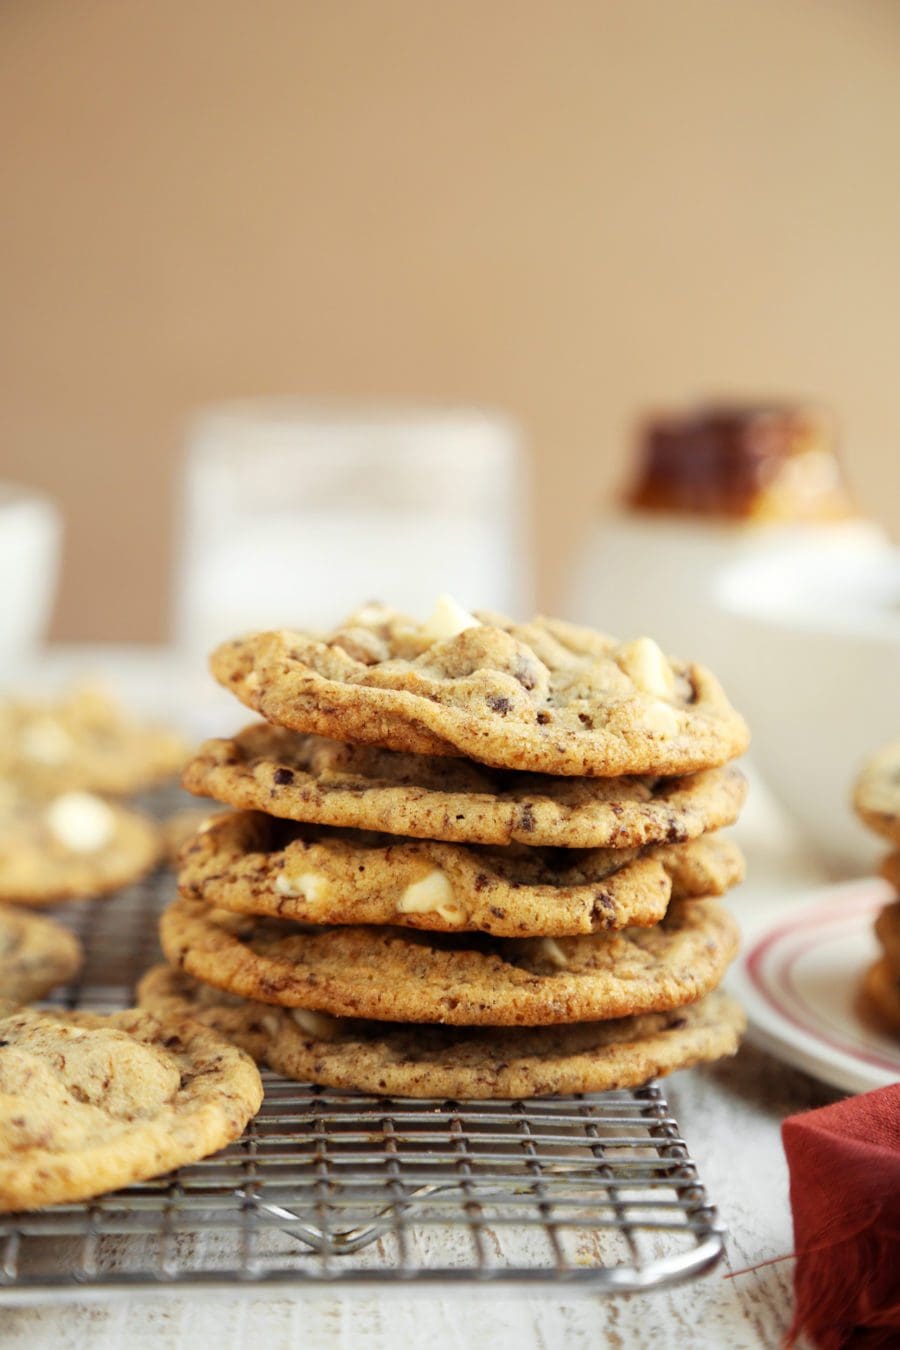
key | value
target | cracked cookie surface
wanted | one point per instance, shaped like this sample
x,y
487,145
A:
x,y
459,1062
255,864
310,778
89,1103
544,696
403,975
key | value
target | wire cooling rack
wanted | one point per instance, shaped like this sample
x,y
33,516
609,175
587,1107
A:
x,y
334,1188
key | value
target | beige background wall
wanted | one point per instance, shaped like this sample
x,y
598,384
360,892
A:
x,y
565,209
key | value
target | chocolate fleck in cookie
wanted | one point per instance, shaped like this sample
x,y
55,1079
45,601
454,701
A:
x,y
36,955
310,778
75,845
881,991
544,696
887,930
458,1062
90,1103
255,864
876,795
402,975
83,741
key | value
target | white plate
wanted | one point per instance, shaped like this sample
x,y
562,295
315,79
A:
x,y
799,981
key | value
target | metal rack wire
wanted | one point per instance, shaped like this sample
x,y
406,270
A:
x,y
333,1188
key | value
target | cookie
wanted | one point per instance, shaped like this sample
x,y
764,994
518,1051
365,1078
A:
x,y
35,955
83,741
544,696
881,991
876,795
456,1062
89,1103
309,778
887,930
890,870
401,975
74,846
707,866
181,827
256,864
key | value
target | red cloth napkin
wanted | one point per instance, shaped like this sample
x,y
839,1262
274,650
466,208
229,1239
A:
x,y
844,1162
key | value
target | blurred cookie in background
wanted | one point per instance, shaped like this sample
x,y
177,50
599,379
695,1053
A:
x,y
70,847
83,740
36,955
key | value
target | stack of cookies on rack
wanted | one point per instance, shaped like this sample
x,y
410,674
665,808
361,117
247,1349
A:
x,y
471,858
877,801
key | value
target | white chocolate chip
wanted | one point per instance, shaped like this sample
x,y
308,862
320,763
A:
x,y
44,741
446,620
271,1023
554,953
660,718
431,894
366,617
309,885
251,680
648,667
80,822
316,1024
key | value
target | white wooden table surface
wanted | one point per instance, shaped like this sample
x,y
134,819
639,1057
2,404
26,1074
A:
x,y
729,1114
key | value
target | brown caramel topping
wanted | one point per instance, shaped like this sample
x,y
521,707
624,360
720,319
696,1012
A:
x,y
762,462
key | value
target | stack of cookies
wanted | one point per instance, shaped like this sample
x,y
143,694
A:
x,y
472,858
877,801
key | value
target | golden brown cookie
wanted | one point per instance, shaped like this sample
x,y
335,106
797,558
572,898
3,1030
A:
x,y
876,794
887,930
255,864
83,741
70,847
707,866
181,827
544,696
881,989
309,778
890,870
36,955
89,1103
458,1062
400,975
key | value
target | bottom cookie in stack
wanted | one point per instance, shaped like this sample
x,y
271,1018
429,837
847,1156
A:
x,y
412,1013
408,1060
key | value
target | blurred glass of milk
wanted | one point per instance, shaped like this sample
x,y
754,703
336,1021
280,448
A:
x,y
294,514
30,539
715,485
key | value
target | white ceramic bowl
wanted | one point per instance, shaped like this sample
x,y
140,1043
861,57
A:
x,y
30,535
814,664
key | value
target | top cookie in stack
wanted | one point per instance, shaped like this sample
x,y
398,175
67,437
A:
x,y
537,800
546,696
